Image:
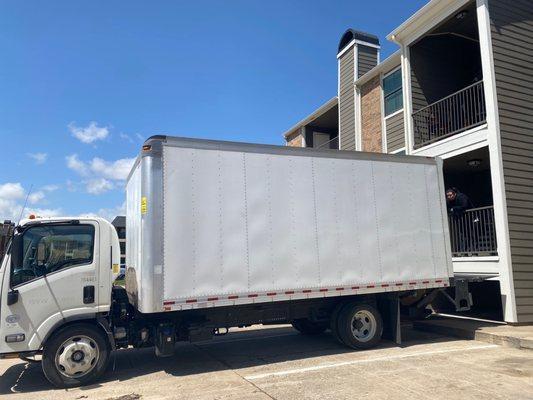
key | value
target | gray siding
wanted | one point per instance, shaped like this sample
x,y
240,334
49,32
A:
x,y
512,40
367,58
346,101
395,132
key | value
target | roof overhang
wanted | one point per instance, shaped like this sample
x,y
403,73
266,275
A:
x,y
317,113
424,20
385,66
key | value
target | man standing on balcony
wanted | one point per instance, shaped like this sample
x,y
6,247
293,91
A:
x,y
458,203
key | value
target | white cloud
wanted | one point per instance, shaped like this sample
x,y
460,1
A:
x,y
98,186
90,133
116,170
50,188
11,191
100,175
36,197
108,213
39,158
12,198
74,163
126,137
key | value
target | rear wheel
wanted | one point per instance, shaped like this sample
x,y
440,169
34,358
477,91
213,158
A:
x,y
308,327
360,326
75,355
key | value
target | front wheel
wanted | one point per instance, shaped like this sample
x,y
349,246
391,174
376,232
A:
x,y
360,326
75,355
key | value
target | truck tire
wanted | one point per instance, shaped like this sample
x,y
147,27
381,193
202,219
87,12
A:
x,y
75,355
306,327
334,322
360,326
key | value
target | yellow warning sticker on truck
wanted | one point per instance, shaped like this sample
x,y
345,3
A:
x,y
116,268
144,205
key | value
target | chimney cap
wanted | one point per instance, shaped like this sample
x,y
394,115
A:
x,y
352,34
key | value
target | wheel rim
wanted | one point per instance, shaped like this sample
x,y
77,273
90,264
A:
x,y
77,356
363,325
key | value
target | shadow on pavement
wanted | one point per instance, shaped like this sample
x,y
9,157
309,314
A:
x,y
242,349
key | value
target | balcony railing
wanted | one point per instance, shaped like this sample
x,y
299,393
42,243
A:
x,y
330,144
473,233
453,114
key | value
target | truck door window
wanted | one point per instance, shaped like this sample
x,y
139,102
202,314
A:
x,y
50,248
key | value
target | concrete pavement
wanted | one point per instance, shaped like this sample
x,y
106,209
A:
x,y
278,363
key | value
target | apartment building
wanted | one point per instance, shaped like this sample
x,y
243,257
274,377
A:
x,y
460,87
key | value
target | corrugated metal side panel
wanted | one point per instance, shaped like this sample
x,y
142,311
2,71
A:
x,y
246,223
512,40
395,132
133,233
346,100
367,58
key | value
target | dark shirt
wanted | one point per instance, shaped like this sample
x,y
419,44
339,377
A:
x,y
460,204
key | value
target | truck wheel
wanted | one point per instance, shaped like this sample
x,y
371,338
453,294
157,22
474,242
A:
x,y
307,327
334,322
75,355
360,326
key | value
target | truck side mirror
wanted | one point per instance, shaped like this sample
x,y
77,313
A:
x,y
12,297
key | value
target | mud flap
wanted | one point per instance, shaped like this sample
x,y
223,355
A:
x,y
389,307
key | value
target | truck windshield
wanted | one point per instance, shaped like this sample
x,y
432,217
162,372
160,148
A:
x,y
50,248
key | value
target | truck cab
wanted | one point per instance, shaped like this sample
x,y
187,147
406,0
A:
x,y
57,273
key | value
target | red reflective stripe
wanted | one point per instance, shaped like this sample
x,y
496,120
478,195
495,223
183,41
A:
x,y
399,284
252,295
191,301
355,287
233,297
384,285
412,283
438,280
323,290
425,281
370,286
212,298
307,291
167,308
271,294
289,292
167,303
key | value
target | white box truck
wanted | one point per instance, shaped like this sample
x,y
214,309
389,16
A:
x,y
221,235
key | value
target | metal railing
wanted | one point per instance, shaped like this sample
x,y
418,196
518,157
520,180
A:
x,y
473,233
453,114
330,144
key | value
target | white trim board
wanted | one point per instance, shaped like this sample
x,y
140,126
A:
x,y
495,153
455,145
357,42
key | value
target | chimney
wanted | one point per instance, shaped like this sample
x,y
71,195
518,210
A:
x,y
358,53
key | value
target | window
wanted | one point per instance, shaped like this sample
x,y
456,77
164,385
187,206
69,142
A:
x,y
50,248
392,92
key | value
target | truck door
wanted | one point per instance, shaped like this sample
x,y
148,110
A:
x,y
55,273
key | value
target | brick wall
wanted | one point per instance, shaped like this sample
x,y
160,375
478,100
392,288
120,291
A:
x,y
294,139
371,138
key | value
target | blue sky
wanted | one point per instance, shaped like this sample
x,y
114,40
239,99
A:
x,y
83,83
